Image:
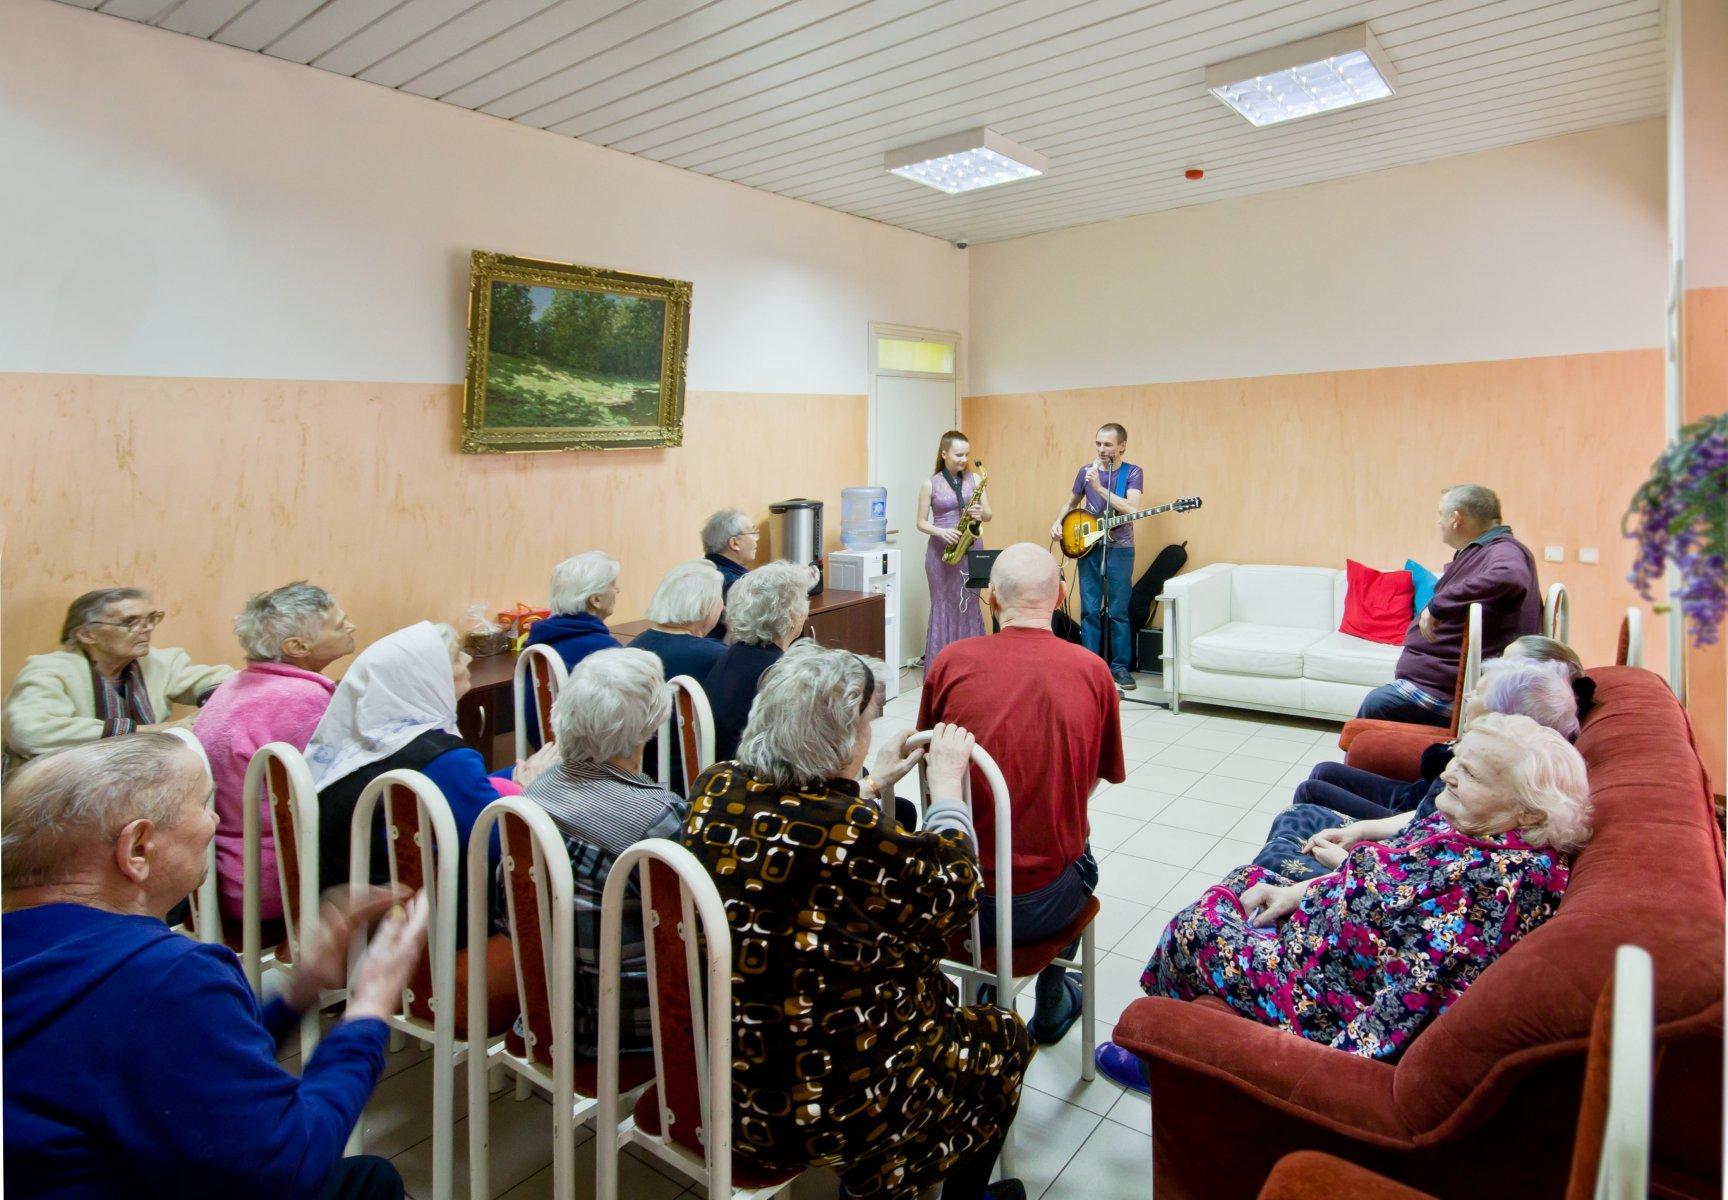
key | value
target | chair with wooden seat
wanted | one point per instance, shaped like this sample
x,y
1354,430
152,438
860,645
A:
x,y
279,782
1557,614
539,898
540,673
1409,737
1611,1154
684,1118
691,723
974,964
421,848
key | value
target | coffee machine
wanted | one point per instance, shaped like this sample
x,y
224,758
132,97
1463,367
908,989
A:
x,y
798,534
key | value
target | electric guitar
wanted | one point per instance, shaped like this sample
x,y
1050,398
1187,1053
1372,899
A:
x,y
1081,530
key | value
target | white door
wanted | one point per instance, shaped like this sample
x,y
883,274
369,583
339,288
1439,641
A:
x,y
910,412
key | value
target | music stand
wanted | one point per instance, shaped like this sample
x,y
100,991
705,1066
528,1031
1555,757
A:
x,y
979,564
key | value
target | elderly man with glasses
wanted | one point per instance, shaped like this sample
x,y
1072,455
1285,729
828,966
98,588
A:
x,y
105,679
729,541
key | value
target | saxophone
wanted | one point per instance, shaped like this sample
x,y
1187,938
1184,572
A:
x,y
970,527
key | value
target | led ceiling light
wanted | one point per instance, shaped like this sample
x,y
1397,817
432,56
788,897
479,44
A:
x,y
1320,74
961,162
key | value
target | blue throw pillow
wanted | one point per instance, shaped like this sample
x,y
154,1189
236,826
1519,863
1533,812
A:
x,y
1424,580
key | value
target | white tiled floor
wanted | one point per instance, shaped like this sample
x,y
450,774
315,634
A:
x,y
1200,791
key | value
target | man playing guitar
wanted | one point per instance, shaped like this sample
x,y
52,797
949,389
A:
x,y
1107,485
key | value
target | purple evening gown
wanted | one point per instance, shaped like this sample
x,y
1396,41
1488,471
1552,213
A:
x,y
954,611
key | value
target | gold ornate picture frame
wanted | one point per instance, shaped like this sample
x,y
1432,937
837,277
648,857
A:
x,y
562,357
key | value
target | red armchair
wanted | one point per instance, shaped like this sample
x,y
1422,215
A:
x,y
1488,1095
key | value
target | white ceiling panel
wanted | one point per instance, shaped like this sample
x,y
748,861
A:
x,y
803,97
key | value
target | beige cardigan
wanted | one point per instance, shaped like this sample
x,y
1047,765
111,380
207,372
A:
x,y
52,703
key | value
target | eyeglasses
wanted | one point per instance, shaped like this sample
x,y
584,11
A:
x,y
134,624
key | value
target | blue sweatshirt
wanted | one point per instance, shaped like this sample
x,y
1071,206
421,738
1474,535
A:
x,y
139,1064
574,635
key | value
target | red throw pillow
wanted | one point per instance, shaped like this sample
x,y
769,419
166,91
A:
x,y
1379,604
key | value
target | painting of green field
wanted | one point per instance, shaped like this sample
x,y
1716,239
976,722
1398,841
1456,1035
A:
x,y
573,359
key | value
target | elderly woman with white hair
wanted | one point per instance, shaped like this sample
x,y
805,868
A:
x,y
603,804
840,919
729,541
1363,958
584,593
289,635
685,609
138,1061
765,612
105,680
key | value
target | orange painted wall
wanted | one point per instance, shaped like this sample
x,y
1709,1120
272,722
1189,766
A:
x,y
1705,328
206,490
1309,469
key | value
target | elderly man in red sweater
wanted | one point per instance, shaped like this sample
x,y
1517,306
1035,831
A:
x,y
1049,714
1491,568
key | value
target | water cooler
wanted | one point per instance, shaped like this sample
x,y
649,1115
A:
x,y
875,571
798,534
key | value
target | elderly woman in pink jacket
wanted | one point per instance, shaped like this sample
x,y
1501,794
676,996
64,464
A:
x,y
289,635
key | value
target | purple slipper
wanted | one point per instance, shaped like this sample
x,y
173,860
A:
x,y
1122,1068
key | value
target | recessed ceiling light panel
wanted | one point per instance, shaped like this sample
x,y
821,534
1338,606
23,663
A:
x,y
1303,79
963,162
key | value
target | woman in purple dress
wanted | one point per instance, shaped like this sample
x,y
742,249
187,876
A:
x,y
954,611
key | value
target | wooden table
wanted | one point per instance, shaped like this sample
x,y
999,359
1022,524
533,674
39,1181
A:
x,y
842,620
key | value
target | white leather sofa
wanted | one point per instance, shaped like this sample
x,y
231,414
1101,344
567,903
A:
x,y
1267,637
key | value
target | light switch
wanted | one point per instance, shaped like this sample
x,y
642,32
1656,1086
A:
x,y
1589,554
1554,554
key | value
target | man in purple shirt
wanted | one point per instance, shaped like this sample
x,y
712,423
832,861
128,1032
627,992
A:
x,y
1491,568
1107,485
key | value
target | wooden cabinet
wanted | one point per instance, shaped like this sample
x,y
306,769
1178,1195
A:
x,y
848,621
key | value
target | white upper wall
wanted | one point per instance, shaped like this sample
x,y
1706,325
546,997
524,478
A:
x,y
177,207
1554,247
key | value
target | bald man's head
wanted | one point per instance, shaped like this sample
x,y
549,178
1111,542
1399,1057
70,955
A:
x,y
1025,579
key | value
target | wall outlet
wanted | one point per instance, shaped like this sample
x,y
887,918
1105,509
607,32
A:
x,y
1554,554
1589,554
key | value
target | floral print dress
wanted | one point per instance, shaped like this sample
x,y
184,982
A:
x,y
1376,949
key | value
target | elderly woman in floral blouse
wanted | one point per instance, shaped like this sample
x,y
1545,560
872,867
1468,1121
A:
x,y
1362,959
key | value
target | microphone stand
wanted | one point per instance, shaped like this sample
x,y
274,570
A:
x,y
1106,630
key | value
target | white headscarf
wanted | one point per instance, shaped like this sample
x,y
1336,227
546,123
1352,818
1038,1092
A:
x,y
400,687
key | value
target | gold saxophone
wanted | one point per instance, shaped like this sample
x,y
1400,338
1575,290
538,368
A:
x,y
970,527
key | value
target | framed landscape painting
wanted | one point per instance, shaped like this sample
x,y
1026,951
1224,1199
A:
x,y
562,357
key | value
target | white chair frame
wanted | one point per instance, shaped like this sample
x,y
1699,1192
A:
x,y
673,728
303,802
522,688
1623,1171
557,889
442,856
203,921
1557,614
1473,647
972,974
711,1025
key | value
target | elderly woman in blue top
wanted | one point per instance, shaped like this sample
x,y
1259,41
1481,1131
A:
x,y
138,1062
584,593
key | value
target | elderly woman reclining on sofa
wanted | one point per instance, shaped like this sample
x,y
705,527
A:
x,y
1300,841
1363,958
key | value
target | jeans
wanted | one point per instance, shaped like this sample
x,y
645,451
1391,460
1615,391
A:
x,y
1044,913
1393,702
363,1177
1121,568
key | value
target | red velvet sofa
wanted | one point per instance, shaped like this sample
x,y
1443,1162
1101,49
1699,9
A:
x,y
1485,1101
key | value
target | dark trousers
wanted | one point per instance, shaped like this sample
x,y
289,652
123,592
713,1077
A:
x,y
363,1177
970,1178
1359,795
1121,578
1044,913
